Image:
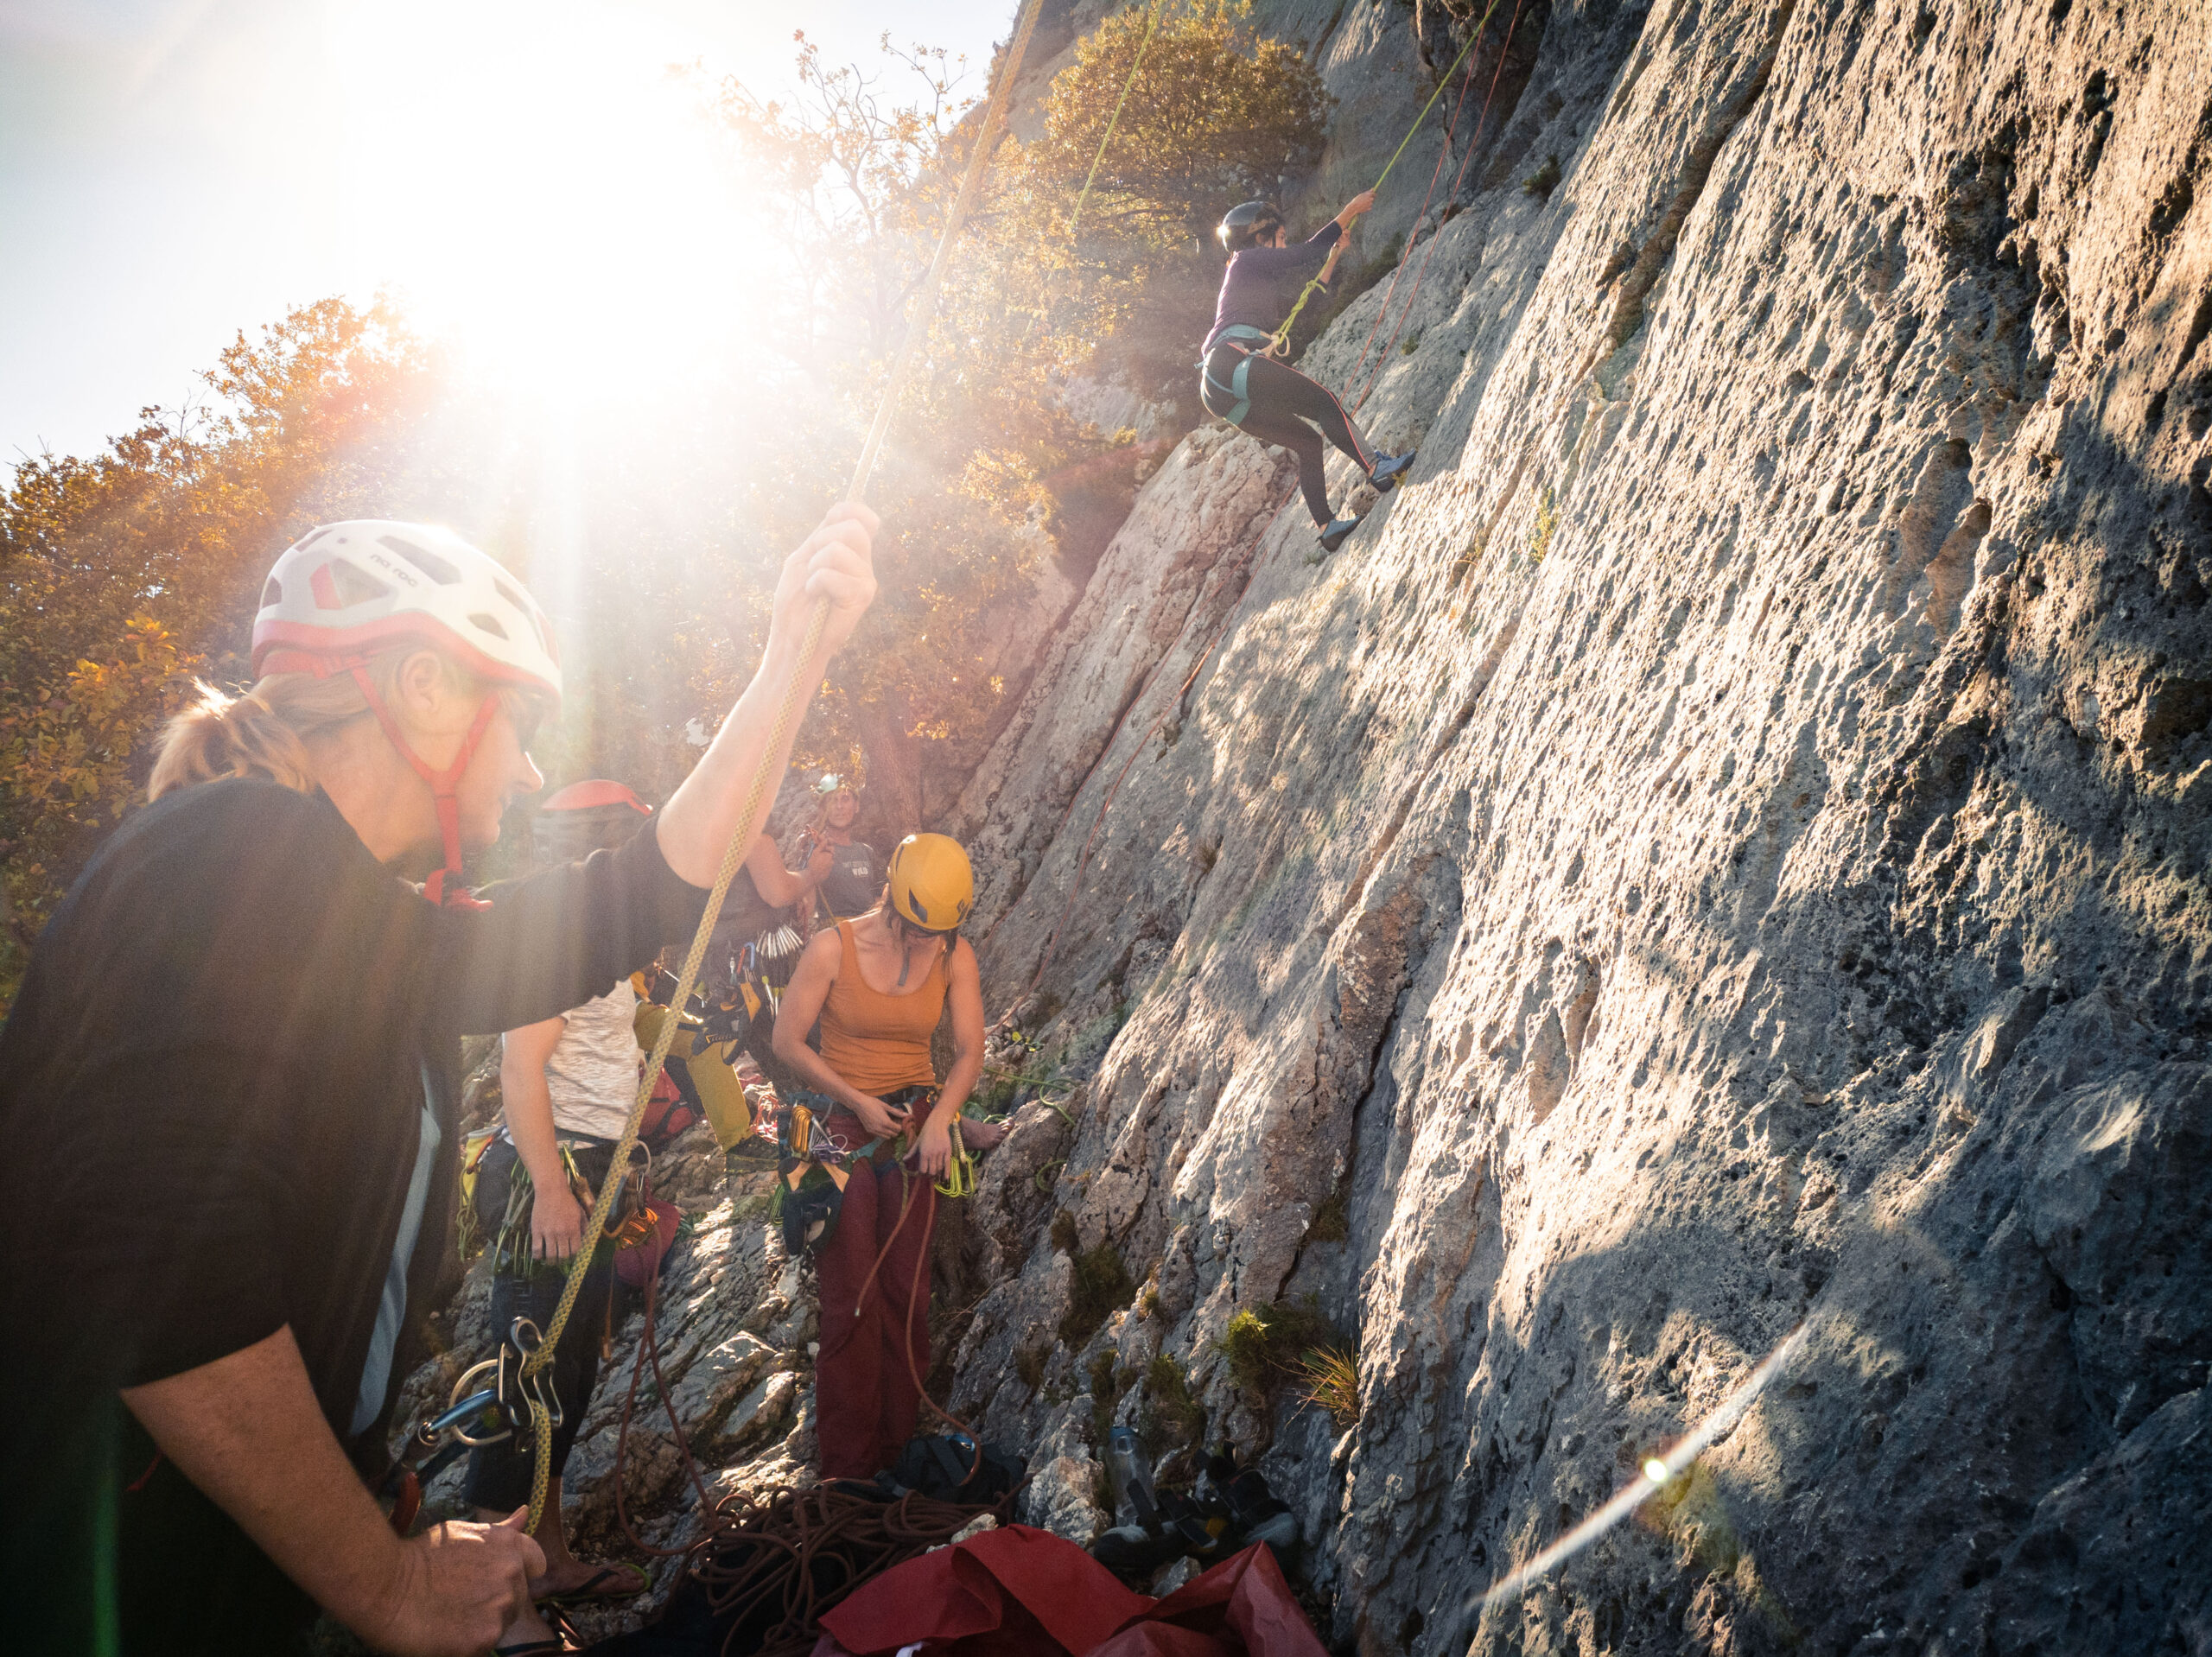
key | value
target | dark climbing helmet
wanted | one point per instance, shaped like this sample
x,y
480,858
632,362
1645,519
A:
x,y
1248,224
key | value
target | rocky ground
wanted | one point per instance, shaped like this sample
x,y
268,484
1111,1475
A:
x,y
1722,852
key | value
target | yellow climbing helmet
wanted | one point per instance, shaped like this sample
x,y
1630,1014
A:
x,y
931,884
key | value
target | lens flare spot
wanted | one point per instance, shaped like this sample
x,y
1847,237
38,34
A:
x,y
1655,1470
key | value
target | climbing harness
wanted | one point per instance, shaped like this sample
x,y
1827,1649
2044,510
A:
x,y
1282,335
1151,22
1242,339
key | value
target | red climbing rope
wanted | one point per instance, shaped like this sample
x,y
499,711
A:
x,y
1474,139
1443,155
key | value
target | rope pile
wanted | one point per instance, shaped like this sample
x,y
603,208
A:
x,y
792,1555
769,1565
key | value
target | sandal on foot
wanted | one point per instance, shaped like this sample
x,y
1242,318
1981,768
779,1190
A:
x,y
608,1582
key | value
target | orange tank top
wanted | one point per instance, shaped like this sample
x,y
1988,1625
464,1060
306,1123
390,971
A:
x,y
879,1042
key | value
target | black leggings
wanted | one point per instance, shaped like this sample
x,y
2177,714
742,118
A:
x,y
499,1475
1283,400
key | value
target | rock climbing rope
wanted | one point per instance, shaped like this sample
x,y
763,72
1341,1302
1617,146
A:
x,y
1474,138
1282,335
757,791
1150,22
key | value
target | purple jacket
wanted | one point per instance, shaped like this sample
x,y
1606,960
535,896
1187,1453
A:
x,y
1262,284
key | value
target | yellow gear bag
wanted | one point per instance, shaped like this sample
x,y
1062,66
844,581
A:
x,y
719,1089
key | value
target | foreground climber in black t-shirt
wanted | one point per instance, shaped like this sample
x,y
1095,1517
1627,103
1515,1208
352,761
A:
x,y
228,1087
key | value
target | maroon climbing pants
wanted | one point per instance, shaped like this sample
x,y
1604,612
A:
x,y
866,1399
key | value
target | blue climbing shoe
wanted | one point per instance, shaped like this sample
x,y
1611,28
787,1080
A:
x,y
1336,533
1388,470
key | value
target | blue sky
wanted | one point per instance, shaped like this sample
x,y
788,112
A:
x,y
172,171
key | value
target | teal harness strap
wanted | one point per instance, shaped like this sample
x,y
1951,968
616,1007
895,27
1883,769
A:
x,y
1237,334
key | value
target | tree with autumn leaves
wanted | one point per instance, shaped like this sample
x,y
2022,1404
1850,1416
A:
x,y
128,576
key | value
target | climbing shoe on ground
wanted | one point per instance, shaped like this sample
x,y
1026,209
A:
x,y
1388,470
1338,533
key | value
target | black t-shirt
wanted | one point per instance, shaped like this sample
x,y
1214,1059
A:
x,y
854,880
210,1092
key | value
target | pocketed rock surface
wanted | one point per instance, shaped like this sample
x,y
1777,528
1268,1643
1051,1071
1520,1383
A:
x,y
1721,852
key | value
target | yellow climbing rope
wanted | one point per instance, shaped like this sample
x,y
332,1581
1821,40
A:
x,y
757,791
960,1170
1282,341
1150,22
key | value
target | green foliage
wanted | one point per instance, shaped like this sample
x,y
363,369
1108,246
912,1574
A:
x,y
1100,1287
1543,180
1244,1343
1108,1384
1173,1416
1332,1222
1215,115
1547,525
1263,1345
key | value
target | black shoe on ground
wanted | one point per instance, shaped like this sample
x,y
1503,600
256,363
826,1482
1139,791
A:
x,y
1338,533
1388,470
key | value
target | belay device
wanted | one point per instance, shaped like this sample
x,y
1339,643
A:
x,y
486,1415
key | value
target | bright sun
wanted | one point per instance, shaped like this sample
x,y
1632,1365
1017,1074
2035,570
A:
x,y
540,188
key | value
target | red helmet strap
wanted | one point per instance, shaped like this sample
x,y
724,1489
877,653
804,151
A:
x,y
445,789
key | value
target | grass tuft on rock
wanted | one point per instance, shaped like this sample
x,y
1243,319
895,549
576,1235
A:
x,y
1264,1344
1171,1416
1329,1377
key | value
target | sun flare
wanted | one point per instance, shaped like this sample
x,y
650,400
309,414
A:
x,y
543,191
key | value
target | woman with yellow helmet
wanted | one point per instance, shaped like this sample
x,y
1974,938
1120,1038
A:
x,y
880,985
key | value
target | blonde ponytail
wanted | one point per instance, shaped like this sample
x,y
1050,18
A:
x,y
265,731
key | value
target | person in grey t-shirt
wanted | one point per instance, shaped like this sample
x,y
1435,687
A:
x,y
854,880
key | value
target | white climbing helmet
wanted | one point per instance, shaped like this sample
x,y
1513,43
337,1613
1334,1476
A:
x,y
345,591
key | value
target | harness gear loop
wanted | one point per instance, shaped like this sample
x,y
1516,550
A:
x,y
1282,335
757,791
1240,337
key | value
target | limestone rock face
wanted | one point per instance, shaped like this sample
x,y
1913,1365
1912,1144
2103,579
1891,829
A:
x,y
1722,849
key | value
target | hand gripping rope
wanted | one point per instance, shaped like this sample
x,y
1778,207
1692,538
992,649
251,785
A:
x,y
1282,335
757,792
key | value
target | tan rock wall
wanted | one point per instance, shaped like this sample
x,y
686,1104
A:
x,y
1725,845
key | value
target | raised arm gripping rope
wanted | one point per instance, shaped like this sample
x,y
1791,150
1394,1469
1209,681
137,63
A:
x,y
1281,342
757,791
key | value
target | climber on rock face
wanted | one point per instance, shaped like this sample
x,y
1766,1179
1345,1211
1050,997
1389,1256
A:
x,y
880,985
229,1086
1244,384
